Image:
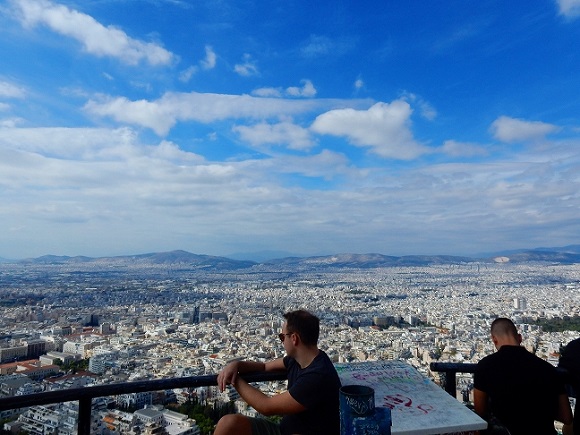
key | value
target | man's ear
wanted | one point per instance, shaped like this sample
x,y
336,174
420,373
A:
x,y
295,338
520,339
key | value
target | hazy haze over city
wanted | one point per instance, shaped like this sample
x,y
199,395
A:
x,y
224,127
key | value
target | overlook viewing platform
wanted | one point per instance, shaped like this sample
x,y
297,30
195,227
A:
x,y
418,405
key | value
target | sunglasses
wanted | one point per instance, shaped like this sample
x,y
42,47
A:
x,y
282,336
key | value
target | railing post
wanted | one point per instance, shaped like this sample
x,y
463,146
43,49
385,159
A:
x,y
84,425
449,373
450,382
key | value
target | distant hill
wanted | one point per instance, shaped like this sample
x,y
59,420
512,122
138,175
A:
x,y
566,254
544,256
183,259
261,256
367,261
570,249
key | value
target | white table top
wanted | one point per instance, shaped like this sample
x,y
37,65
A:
x,y
418,406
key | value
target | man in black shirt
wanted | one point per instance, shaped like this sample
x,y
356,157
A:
x,y
517,388
570,360
311,403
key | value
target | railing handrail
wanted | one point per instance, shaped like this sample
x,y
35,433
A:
x,y
86,394
90,392
450,370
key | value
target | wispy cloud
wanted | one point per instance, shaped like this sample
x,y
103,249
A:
x,y
109,180
96,38
210,58
282,133
320,45
462,149
162,114
307,90
248,67
10,90
569,8
509,129
208,63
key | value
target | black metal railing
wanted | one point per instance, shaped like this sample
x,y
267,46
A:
x,y
449,371
85,395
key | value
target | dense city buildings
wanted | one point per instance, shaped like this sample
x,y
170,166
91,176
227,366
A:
x,y
128,324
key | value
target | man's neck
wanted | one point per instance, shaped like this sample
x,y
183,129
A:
x,y
306,356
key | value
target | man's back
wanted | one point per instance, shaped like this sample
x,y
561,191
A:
x,y
523,390
570,360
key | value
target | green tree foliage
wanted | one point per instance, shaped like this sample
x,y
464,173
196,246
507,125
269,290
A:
x,y
73,366
558,324
205,415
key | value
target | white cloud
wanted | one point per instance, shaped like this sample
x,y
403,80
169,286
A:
x,y
162,114
95,37
207,63
97,191
319,45
462,149
326,164
142,112
10,122
508,129
210,58
569,8
426,110
307,90
385,128
188,73
268,92
296,137
247,68
69,143
10,90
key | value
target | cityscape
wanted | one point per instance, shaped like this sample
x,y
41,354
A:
x,y
68,323
175,176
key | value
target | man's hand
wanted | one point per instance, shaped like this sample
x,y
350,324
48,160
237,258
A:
x,y
228,375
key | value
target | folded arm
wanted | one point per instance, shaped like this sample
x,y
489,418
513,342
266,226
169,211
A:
x,y
282,403
229,374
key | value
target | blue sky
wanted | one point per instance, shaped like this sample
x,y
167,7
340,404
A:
x,y
219,127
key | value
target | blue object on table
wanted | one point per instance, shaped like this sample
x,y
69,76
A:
x,y
358,415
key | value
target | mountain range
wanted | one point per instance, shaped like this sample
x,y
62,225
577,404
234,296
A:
x,y
558,255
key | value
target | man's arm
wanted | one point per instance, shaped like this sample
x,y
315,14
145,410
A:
x,y
564,411
480,403
229,374
276,365
267,405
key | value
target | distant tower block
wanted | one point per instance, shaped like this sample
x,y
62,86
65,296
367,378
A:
x,y
520,303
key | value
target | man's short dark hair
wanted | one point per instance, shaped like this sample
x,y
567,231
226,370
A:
x,y
503,326
305,324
